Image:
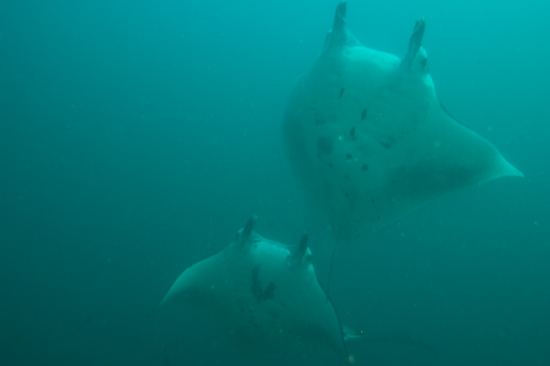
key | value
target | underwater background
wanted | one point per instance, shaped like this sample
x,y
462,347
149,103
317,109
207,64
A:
x,y
136,138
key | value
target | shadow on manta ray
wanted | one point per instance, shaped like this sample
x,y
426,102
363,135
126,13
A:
x,y
265,298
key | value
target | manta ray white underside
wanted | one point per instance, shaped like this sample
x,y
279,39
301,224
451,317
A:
x,y
369,141
264,296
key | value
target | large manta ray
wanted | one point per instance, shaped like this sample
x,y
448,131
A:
x,y
369,141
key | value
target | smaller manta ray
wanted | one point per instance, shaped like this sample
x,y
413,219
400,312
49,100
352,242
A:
x,y
368,140
264,295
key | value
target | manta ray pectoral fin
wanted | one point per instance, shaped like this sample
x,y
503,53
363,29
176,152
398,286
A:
x,y
415,42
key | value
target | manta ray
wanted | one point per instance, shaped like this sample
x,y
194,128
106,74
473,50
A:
x,y
263,295
368,140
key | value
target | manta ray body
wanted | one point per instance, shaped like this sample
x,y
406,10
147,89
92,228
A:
x,y
368,140
264,296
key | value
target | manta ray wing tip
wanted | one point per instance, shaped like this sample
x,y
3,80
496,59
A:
x,y
512,171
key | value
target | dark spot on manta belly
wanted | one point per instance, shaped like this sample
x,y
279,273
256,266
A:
x,y
348,156
364,114
341,93
364,167
424,62
256,286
